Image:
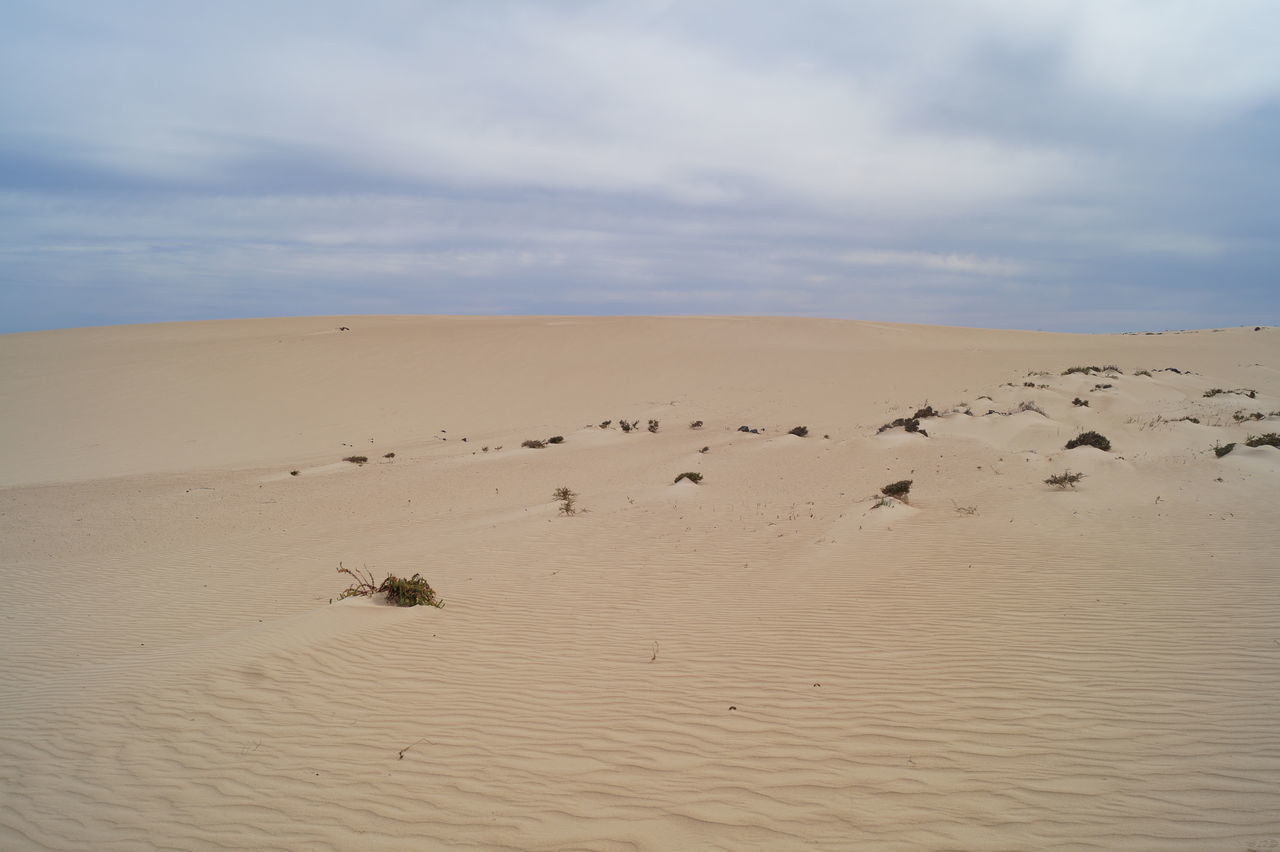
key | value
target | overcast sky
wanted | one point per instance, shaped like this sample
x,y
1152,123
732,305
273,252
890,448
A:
x,y
1075,165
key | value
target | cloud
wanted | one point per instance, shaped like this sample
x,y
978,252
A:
x,y
818,158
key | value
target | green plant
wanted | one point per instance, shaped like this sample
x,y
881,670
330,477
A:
x,y
898,489
1065,479
1223,449
1271,439
604,424
414,591
556,439
1089,439
692,476
1079,401
627,427
568,500
533,444
356,459
800,431
653,425
1085,370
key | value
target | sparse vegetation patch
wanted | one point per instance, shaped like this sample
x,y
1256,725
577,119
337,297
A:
x,y
692,476
533,444
413,591
1079,401
1064,480
1271,439
799,431
1249,392
568,500
1221,450
356,459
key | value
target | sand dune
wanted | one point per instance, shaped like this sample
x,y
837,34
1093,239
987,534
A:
x,y
767,660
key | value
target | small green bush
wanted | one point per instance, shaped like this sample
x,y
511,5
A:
x,y
556,439
1223,449
604,424
413,591
1079,401
800,431
627,427
1271,439
1064,480
898,489
1089,439
692,476
653,425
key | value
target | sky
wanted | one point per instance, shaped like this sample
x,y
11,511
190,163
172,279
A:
x,y
1073,165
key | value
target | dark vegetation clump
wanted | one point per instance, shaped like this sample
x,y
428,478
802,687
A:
x,y
389,455
705,450
604,424
1028,384
1111,368
1089,439
627,426
1079,401
1142,373
1103,387
294,472
910,424
356,459
533,444
653,425
898,489
697,424
922,413
1064,480
1188,419
1085,370
692,476
1271,439
799,431
413,591
556,439
749,430
1221,450
1249,392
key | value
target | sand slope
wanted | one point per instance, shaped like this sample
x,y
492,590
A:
x,y
761,661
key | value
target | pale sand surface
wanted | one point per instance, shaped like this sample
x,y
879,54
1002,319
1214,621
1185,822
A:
x,y
1087,669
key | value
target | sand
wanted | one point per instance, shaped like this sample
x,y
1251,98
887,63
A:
x,y
762,661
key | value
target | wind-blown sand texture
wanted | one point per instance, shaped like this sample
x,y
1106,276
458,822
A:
x,y
762,661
